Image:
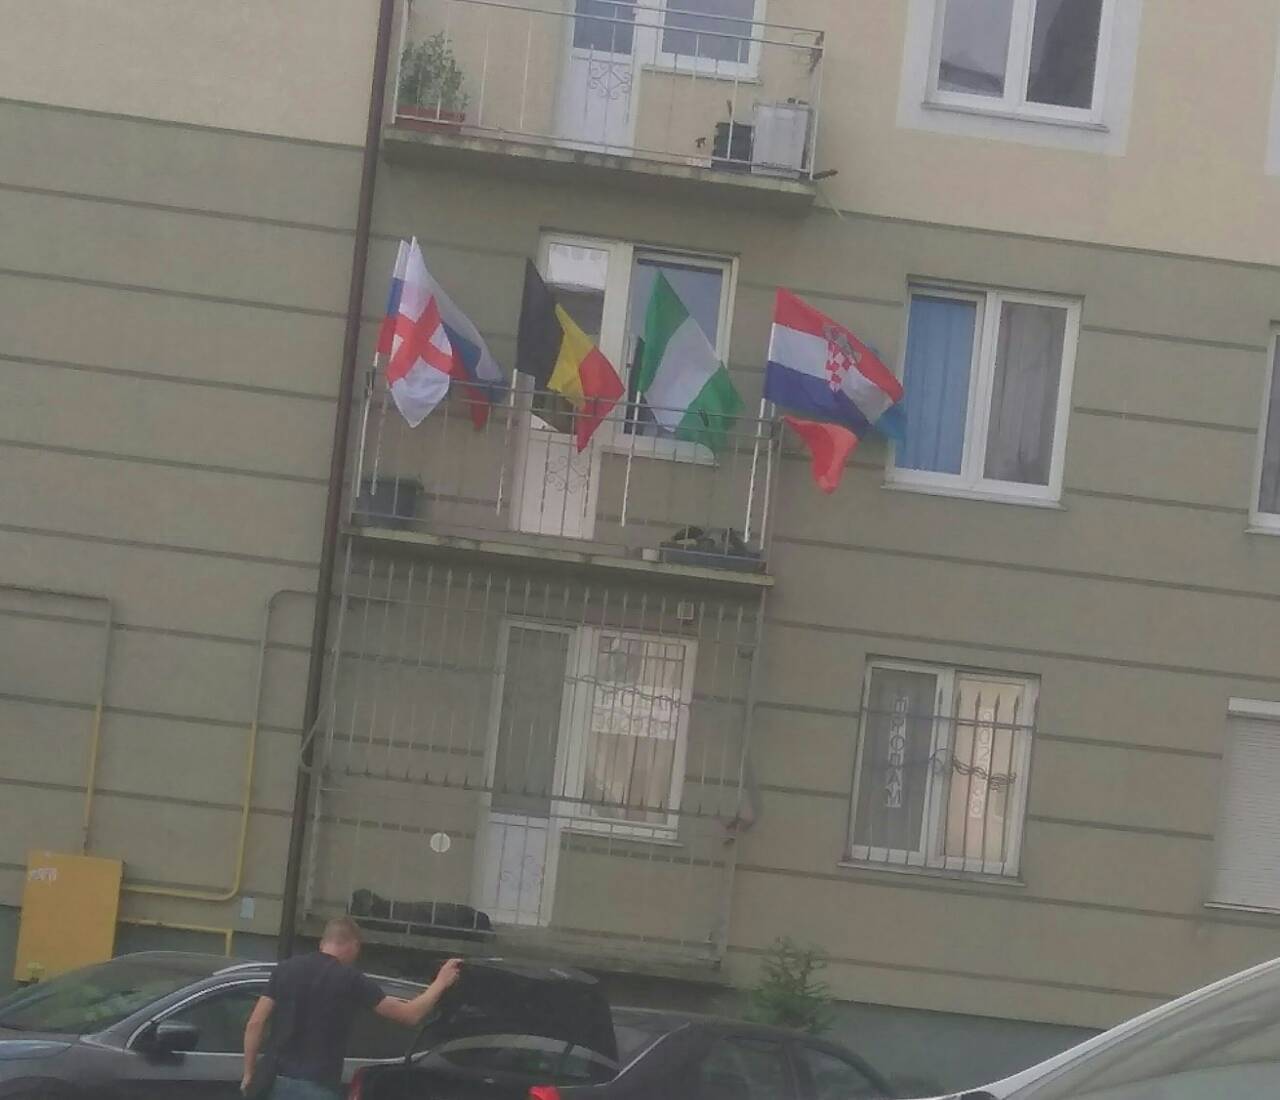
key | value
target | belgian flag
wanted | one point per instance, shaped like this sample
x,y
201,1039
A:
x,y
553,351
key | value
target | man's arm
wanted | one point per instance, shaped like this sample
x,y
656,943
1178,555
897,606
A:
x,y
412,1013
253,1037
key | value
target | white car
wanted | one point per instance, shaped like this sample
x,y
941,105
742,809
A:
x,y
1221,1042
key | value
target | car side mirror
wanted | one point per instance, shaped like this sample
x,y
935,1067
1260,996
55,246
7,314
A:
x,y
172,1038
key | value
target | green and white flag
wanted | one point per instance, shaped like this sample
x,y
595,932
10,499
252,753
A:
x,y
685,385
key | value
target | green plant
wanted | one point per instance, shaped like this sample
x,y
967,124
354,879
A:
x,y
431,77
789,993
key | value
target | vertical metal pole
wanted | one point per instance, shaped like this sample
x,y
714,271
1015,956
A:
x,y
751,484
337,472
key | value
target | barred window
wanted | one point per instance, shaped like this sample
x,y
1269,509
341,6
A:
x,y
941,773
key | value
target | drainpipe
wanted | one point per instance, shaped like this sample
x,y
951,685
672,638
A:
x,y
337,475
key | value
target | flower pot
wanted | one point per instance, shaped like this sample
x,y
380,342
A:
x,y
431,119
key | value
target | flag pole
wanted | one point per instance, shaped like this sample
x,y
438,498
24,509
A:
x,y
751,485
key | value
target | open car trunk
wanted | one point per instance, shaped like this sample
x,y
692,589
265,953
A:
x,y
505,1027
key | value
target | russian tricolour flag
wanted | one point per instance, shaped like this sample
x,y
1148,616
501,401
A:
x,y
819,369
431,342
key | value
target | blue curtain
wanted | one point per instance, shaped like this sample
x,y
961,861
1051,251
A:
x,y
940,335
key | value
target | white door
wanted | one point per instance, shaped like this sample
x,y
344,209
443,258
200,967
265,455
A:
x,y
520,832
599,84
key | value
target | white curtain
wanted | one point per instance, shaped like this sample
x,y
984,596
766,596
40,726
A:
x,y
1024,399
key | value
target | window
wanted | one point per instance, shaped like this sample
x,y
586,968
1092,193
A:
x,y
605,287
715,35
1247,872
1267,512
1028,57
632,717
832,1078
942,763
550,1061
604,26
742,1069
220,1019
987,377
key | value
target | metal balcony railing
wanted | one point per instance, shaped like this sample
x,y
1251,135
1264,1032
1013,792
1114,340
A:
x,y
632,492
672,81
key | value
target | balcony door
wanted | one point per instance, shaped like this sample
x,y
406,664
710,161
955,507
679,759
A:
x,y
599,84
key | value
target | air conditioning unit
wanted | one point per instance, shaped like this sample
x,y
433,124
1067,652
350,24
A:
x,y
781,139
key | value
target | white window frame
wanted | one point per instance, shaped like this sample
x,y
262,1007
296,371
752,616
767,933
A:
x,y
1268,522
929,856
617,324
578,812
650,44
971,481
1014,103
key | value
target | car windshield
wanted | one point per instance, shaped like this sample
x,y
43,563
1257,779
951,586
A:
x,y
91,999
1225,1045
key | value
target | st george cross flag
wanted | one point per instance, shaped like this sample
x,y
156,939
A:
x,y
819,369
421,356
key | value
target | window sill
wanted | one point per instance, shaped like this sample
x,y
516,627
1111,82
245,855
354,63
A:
x,y
961,493
1089,125
931,872
660,448
1259,526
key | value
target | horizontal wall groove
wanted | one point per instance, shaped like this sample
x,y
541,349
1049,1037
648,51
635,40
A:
x,y
1171,338
1024,651
241,724
1166,421
165,463
169,292
177,124
159,547
158,376
144,796
169,208
1027,567
824,295
1160,502
999,979
996,892
1118,827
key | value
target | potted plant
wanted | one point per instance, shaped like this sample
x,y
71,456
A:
x,y
430,95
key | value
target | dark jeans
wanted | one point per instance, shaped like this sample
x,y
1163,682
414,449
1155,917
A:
x,y
294,1088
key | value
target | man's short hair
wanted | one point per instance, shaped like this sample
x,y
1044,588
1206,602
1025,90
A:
x,y
342,930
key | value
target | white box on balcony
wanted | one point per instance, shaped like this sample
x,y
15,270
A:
x,y
781,138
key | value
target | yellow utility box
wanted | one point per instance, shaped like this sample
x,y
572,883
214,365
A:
x,y
69,909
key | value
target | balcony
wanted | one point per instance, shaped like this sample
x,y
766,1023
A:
x,y
518,490
675,91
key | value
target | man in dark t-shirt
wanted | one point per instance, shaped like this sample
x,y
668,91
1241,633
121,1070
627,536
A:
x,y
315,999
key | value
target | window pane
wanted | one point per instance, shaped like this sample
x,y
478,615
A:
x,y
700,288
975,47
718,30
897,758
634,716
1064,52
603,26
1269,496
220,1020
743,1069
1024,399
834,1078
940,335
529,725
982,776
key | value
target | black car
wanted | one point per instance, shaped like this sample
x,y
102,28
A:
x,y
658,1055
156,1024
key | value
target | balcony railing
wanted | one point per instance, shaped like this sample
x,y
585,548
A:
x,y
531,760
633,78
520,478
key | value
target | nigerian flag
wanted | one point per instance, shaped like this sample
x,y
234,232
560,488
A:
x,y
685,386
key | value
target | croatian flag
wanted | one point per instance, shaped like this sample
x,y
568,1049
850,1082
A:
x,y
421,359
819,369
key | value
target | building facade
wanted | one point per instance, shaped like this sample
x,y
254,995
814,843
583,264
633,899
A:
x,y
994,725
